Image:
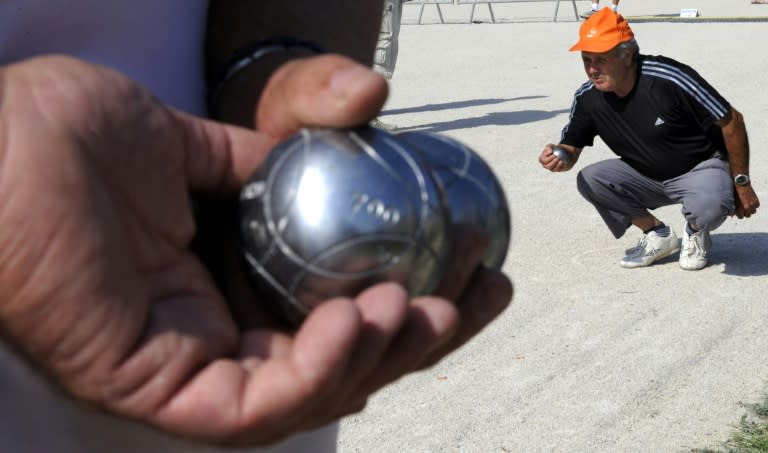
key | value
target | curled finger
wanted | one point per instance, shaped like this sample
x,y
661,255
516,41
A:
x,y
487,296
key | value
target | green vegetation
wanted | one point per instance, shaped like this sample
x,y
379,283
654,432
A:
x,y
751,433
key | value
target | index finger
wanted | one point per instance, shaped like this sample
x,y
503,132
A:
x,y
220,157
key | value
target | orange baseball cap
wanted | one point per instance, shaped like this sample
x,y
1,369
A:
x,y
603,31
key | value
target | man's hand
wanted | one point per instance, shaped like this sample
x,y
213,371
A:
x,y
746,201
99,288
551,162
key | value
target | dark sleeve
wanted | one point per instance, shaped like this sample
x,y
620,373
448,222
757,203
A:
x,y
236,26
580,130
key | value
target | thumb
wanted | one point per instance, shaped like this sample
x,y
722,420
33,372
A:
x,y
323,91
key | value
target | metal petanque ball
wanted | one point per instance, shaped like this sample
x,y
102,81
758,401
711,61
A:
x,y
331,212
563,155
473,194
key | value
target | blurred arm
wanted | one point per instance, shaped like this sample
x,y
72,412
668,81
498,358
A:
x,y
346,27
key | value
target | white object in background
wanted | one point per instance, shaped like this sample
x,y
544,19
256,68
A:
x,y
689,12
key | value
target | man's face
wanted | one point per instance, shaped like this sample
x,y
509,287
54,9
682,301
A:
x,y
607,71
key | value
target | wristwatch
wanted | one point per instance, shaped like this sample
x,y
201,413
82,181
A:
x,y
741,179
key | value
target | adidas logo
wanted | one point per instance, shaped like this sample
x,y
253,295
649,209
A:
x,y
659,121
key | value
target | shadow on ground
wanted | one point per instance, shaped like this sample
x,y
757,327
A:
x,y
489,119
743,254
456,105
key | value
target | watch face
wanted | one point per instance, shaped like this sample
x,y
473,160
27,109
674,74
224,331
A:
x,y
741,180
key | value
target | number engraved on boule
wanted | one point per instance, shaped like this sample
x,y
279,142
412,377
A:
x,y
375,207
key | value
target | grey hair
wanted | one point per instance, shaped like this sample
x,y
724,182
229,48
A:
x,y
628,46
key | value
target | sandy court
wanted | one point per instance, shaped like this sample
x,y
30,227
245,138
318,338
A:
x,y
590,356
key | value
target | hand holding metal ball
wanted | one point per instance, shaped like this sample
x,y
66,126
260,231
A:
x,y
563,155
331,212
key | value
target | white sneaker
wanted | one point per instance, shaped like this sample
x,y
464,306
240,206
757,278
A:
x,y
693,255
650,248
587,14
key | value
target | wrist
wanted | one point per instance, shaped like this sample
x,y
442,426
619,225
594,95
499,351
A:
x,y
235,93
741,179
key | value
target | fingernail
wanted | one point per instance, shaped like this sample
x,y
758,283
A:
x,y
347,79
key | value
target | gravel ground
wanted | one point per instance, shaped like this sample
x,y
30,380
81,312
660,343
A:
x,y
590,356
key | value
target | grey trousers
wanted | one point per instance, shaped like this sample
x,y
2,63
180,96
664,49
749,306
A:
x,y
385,58
620,193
